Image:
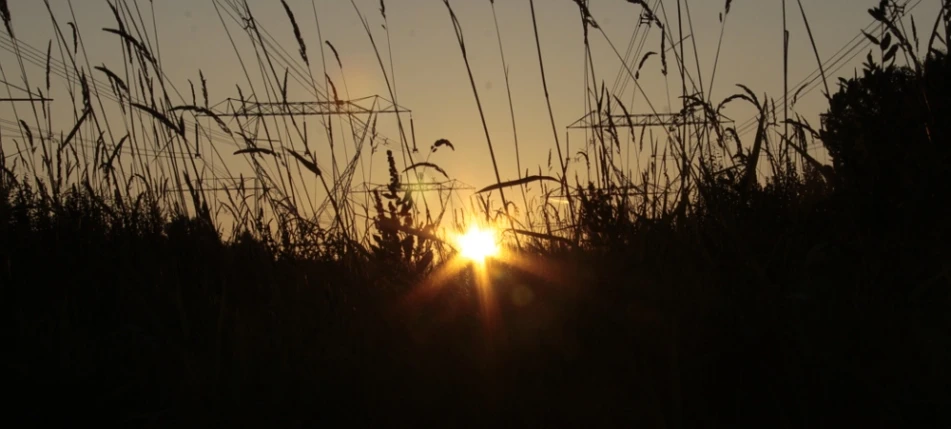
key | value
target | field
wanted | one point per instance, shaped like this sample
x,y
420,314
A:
x,y
724,279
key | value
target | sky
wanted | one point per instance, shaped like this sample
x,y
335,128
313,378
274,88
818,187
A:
x,y
430,76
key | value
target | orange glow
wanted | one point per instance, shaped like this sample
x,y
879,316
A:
x,y
478,244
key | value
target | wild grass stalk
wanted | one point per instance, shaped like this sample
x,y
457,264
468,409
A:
x,y
566,190
488,138
508,92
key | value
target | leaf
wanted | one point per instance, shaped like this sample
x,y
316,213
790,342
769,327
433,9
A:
x,y
284,86
49,51
890,54
914,33
735,97
336,55
26,130
297,35
517,182
663,52
803,126
75,129
641,65
132,40
204,87
307,163
75,37
333,88
872,38
799,91
543,236
886,42
750,93
206,112
115,14
426,165
581,154
254,150
108,164
162,118
627,115
442,142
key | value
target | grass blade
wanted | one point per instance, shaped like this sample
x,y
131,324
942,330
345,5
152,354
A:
x,y
426,165
518,182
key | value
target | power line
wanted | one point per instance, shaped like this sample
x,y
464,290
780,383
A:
x,y
58,68
448,185
26,99
857,42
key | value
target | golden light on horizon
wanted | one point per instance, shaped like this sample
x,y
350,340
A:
x,y
477,244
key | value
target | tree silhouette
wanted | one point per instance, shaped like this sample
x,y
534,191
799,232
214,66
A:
x,y
886,132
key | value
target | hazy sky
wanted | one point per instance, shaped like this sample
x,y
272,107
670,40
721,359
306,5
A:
x,y
430,76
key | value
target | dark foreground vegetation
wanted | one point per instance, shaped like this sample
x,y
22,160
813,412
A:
x,y
814,299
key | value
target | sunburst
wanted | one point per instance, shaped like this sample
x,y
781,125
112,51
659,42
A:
x,y
477,244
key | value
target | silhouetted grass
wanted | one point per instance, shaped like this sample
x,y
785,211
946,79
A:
x,y
706,296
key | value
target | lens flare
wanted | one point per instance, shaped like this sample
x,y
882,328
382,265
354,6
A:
x,y
477,244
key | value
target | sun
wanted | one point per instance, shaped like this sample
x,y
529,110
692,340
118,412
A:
x,y
477,244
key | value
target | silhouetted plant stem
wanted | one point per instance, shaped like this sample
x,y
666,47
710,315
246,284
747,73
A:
x,y
551,115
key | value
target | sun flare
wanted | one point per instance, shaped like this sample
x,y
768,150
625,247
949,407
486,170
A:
x,y
477,244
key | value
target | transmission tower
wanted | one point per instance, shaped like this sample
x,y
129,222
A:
x,y
250,115
444,189
444,186
695,120
669,121
595,121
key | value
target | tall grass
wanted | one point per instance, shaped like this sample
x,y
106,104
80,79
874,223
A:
x,y
725,283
